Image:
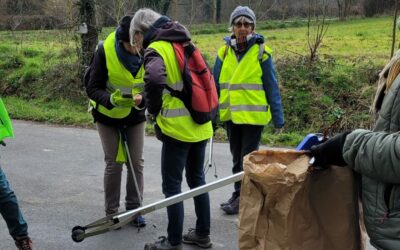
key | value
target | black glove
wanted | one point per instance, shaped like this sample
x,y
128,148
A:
x,y
330,152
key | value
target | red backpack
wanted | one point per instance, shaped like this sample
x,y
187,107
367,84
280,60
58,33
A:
x,y
199,93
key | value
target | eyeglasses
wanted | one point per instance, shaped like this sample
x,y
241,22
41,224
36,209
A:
x,y
245,24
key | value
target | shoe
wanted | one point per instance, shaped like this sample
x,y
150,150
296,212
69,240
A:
x,y
24,243
193,238
162,244
108,214
139,221
233,197
232,208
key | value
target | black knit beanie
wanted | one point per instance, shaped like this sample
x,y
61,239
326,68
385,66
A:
x,y
123,28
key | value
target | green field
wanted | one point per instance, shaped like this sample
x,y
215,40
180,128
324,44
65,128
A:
x,y
38,72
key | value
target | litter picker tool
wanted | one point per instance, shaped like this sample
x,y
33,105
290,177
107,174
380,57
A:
x,y
111,222
210,162
124,137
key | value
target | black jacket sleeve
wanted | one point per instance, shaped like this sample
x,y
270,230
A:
x,y
155,80
96,88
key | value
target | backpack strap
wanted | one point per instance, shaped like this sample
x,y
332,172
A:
x,y
261,52
226,51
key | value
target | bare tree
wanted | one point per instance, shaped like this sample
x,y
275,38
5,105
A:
x,y
316,32
174,9
343,8
89,35
394,28
264,14
116,9
111,11
216,11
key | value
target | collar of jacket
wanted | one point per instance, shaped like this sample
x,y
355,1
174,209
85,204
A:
x,y
148,35
130,61
257,38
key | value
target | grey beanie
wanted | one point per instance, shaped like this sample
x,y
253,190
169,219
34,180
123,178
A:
x,y
242,11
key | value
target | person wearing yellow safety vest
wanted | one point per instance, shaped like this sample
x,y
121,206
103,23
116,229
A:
x,y
9,207
183,140
115,89
248,92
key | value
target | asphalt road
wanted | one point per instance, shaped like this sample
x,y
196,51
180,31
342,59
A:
x,y
57,174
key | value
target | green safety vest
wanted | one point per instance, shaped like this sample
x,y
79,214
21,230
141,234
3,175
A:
x,y
118,78
6,129
174,119
242,97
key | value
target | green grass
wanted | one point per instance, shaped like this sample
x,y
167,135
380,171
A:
x,y
40,80
341,40
59,112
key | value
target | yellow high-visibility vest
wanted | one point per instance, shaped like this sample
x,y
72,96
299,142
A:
x,y
242,97
118,78
174,119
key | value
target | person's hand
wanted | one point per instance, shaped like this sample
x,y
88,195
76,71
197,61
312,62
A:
x,y
150,118
330,152
138,100
118,100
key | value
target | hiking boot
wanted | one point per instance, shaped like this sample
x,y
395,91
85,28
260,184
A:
x,y
233,197
232,208
139,221
193,238
24,243
162,244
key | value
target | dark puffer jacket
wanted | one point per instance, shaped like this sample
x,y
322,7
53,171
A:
x,y
377,157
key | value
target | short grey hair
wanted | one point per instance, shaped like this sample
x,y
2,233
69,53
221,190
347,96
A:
x,y
142,21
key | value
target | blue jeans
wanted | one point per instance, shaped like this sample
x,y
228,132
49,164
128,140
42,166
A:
x,y
175,157
9,209
243,139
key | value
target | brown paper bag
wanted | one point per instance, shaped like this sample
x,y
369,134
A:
x,y
285,206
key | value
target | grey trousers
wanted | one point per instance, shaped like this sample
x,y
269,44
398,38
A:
x,y
112,174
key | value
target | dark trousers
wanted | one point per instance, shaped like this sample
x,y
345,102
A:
x,y
175,157
10,210
243,139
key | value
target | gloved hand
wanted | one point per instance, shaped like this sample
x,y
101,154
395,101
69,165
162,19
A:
x,y
118,100
150,118
330,152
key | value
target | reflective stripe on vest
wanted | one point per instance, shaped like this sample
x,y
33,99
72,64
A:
x,y
119,78
177,86
174,119
244,86
136,88
242,96
169,113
